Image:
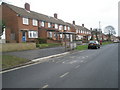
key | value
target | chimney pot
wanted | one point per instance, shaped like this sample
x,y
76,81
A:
x,y
91,29
74,22
83,25
27,6
55,15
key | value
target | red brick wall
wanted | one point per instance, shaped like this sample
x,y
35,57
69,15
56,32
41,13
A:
x,y
42,33
15,23
52,41
26,27
8,32
10,19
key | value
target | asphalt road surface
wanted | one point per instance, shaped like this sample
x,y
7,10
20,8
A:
x,y
94,68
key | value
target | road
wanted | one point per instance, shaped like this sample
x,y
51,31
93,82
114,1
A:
x,y
83,69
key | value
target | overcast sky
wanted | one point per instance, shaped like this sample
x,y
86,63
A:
x,y
88,12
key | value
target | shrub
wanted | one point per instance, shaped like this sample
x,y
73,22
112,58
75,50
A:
x,y
41,40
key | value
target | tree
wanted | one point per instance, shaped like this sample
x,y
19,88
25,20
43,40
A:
x,y
95,32
2,27
109,30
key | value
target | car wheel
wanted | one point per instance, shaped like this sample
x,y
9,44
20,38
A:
x,y
96,47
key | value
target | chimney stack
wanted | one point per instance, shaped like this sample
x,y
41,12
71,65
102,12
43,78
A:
x,y
83,25
74,22
27,6
91,29
55,15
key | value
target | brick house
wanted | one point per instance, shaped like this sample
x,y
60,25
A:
x,y
24,25
81,32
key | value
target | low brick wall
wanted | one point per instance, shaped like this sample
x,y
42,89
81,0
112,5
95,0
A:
x,y
17,46
52,41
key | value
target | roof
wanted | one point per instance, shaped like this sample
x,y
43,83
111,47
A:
x,y
34,15
77,27
66,32
81,28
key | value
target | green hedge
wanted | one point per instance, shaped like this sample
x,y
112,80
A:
x,y
41,40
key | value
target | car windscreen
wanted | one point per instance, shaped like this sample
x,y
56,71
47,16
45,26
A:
x,y
91,41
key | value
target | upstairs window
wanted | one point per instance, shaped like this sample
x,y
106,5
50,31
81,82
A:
x,y
56,26
77,31
60,27
68,28
65,28
35,23
25,21
81,31
43,24
49,25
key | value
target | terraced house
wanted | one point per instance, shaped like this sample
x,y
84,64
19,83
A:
x,y
24,25
82,33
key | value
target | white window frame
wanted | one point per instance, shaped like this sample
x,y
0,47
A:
x,y
50,34
65,27
81,31
67,35
32,33
35,22
43,23
49,25
25,21
60,27
68,28
56,26
61,35
77,31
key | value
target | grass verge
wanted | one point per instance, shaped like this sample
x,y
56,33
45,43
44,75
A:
x,y
47,45
9,61
82,47
105,43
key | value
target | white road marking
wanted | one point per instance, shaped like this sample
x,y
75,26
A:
x,y
64,75
37,61
83,57
82,61
72,62
77,66
45,86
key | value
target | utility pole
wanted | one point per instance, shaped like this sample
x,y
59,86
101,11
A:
x,y
100,30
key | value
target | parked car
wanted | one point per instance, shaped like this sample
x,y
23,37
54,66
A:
x,y
93,44
116,41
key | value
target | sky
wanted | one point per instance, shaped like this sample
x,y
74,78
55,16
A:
x,y
87,12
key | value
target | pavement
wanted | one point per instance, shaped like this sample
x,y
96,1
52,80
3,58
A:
x,y
37,53
94,68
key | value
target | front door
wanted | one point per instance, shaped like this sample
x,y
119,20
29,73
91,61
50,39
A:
x,y
24,36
